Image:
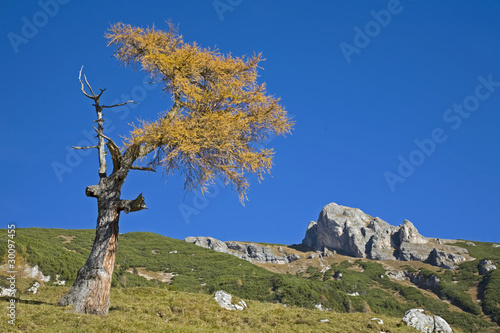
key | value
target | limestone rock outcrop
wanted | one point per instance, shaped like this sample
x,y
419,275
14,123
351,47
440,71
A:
x,y
485,266
425,322
208,242
425,282
225,300
34,288
445,259
248,251
350,231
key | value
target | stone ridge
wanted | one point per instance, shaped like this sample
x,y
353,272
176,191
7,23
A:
x,y
248,251
350,231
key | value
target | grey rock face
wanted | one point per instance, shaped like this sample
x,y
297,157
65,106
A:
x,y
208,242
396,275
431,282
485,266
416,252
293,257
351,232
409,234
444,259
225,301
312,256
426,323
250,252
327,253
257,253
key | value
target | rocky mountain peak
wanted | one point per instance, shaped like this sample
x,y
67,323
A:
x,y
352,232
408,233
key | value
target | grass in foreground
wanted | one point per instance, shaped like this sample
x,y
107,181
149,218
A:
x,y
159,310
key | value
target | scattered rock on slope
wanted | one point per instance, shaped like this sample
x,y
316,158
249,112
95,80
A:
x,y
7,292
352,232
426,323
27,271
225,301
34,288
430,282
445,259
485,266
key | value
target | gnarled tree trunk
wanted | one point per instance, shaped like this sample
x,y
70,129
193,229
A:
x,y
90,291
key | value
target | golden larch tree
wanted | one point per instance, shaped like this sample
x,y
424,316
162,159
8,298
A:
x,y
216,127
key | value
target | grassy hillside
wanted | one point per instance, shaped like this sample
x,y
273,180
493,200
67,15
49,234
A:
x,y
156,310
191,269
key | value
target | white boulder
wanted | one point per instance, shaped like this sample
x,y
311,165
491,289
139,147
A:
x,y
485,266
426,323
7,292
34,288
225,301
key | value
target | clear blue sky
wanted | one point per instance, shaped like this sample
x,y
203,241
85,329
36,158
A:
x,y
396,103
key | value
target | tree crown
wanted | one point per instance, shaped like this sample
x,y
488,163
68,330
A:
x,y
220,117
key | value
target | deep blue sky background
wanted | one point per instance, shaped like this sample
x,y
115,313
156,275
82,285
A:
x,y
353,119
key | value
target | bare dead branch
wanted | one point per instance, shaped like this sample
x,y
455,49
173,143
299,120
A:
x,y
93,191
115,105
133,205
102,90
134,167
113,149
104,136
115,146
88,147
82,86
90,88
102,153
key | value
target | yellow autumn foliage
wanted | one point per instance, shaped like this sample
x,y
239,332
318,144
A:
x,y
220,117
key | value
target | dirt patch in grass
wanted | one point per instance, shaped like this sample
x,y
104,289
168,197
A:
x,y
67,239
149,275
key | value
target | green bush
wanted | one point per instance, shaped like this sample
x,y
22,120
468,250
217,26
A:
x,y
457,295
491,298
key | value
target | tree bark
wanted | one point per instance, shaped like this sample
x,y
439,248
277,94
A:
x,y
90,292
